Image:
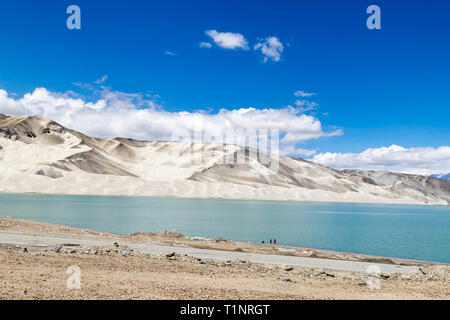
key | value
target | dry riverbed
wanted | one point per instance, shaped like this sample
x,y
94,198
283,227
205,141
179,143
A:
x,y
117,272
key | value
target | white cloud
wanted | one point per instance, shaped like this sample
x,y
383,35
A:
x,y
271,48
303,94
394,158
292,151
305,105
10,106
135,116
101,80
228,40
205,45
170,53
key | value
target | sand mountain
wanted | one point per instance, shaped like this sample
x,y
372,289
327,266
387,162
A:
x,y
41,156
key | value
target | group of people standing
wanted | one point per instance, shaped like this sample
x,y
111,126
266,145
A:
x,y
274,241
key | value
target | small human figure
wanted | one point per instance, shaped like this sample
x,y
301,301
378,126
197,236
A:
x,y
275,241
270,240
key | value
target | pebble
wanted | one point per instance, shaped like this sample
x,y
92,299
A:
x,y
364,284
289,268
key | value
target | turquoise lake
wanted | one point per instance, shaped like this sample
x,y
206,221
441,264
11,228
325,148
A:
x,y
404,231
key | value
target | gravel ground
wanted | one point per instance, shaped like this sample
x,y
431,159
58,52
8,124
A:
x,y
107,273
117,272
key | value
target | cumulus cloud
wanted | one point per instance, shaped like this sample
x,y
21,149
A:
x,y
303,94
394,158
135,115
169,53
10,106
228,40
271,48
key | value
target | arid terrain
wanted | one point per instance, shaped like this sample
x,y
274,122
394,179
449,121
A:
x,y
117,272
40,156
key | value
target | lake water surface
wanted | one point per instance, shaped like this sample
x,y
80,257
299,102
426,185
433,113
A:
x,y
404,231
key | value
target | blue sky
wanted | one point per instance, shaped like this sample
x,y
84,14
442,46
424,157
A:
x,y
381,87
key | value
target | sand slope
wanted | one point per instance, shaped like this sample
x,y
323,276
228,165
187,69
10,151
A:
x,y
39,155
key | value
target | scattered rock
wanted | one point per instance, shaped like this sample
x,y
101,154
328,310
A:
x,y
24,249
309,252
385,276
199,239
287,280
395,275
141,234
288,268
116,244
221,239
363,284
170,254
170,234
324,273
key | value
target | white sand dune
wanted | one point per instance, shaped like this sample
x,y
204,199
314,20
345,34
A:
x,y
40,156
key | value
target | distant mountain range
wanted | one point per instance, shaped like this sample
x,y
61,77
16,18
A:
x,y
40,156
445,176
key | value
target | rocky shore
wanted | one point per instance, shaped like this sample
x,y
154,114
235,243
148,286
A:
x,y
116,271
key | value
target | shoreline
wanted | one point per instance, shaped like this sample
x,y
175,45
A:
x,y
119,267
323,247
174,238
226,199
